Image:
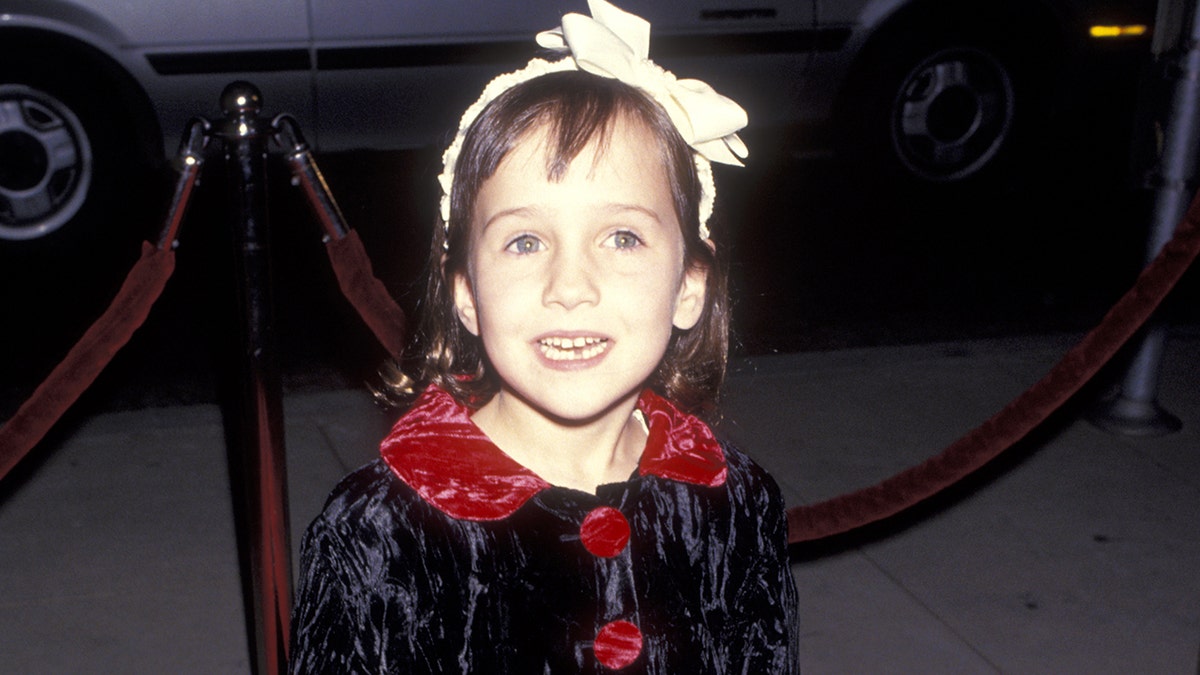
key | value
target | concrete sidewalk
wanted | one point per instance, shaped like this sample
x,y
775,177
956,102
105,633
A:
x,y
1076,552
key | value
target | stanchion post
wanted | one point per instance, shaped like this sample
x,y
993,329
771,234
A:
x,y
189,162
1134,409
259,431
308,177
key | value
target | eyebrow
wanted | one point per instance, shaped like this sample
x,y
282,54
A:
x,y
515,211
617,208
614,208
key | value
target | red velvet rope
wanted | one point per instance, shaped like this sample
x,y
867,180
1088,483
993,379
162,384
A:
x,y
1018,418
88,357
375,305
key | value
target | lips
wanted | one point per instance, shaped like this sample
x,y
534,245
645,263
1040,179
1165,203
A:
x,y
578,348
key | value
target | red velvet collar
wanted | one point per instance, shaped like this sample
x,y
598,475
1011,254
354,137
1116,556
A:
x,y
438,451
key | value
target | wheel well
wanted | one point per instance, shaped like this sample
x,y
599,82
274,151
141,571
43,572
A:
x,y
1020,22
26,46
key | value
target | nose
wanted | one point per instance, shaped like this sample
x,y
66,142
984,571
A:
x,y
571,281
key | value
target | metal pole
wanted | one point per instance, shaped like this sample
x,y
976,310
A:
x,y
189,161
1135,410
308,176
260,428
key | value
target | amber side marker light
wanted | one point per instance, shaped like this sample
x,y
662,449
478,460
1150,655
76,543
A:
x,y
1132,30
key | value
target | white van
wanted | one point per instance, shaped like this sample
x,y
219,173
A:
x,y
93,91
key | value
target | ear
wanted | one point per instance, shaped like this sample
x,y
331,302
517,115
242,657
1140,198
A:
x,y
689,305
464,304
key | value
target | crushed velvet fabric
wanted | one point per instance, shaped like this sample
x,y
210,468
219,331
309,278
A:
x,y
445,556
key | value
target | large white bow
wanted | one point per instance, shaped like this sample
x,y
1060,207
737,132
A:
x,y
614,43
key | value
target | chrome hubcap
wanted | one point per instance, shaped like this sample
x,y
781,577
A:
x,y
952,114
45,163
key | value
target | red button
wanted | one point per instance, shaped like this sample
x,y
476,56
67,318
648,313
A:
x,y
618,644
605,532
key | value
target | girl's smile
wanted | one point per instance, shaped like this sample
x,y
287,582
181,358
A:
x,y
573,352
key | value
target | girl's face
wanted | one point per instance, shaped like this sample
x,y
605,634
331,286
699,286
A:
x,y
574,285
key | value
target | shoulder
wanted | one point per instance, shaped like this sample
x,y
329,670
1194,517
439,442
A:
x,y
744,474
739,461
361,493
755,498
366,510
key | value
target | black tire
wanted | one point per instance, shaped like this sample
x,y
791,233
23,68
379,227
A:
x,y
46,163
72,155
952,114
941,108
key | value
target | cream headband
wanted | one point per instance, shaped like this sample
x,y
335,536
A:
x,y
616,44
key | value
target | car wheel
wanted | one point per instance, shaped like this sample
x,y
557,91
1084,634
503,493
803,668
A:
x,y
75,150
45,163
951,114
939,109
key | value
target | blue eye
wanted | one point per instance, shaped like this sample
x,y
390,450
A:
x,y
624,240
526,243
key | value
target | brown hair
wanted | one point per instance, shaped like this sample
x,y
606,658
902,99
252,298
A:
x,y
576,108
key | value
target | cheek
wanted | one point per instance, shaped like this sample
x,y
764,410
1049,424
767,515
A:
x,y
653,298
501,303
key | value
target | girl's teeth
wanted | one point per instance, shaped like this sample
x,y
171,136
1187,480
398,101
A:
x,y
573,349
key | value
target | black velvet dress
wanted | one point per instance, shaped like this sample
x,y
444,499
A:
x,y
447,556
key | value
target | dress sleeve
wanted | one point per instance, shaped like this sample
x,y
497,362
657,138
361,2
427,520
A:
x,y
762,628
334,625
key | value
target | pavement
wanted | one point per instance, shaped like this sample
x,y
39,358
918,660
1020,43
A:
x,y
1077,551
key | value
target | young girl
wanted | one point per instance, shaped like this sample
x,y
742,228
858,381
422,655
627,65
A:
x,y
548,505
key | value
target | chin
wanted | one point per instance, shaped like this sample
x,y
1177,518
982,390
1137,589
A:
x,y
580,407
